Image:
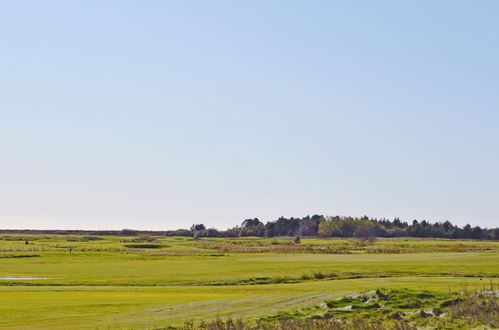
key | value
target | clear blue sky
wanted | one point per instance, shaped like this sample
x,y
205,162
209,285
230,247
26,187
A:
x,y
160,114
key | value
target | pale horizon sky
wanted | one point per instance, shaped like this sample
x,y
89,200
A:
x,y
160,114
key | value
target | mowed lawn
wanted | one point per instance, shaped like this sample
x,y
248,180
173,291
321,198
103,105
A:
x,y
131,307
135,269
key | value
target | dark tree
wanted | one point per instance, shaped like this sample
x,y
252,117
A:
x,y
250,223
197,227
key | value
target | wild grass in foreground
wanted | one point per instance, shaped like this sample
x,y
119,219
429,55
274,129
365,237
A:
x,y
381,309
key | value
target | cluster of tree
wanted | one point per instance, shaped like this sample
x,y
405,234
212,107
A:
x,y
316,225
363,227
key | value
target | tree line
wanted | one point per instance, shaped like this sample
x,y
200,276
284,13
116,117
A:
x,y
340,226
316,225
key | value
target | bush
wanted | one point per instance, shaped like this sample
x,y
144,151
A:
x,y
144,246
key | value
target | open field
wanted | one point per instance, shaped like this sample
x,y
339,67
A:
x,y
147,307
147,282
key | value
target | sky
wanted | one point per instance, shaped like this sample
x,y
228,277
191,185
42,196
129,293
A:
x,y
160,114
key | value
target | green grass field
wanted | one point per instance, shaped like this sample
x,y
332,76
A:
x,y
147,282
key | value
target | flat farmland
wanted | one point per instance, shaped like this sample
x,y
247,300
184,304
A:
x,y
58,281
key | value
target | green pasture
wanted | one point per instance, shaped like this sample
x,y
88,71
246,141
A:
x,y
136,269
184,245
146,282
149,307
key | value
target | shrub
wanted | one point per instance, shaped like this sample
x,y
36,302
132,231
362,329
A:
x,y
144,246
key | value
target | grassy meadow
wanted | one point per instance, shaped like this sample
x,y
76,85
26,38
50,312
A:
x,y
145,282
